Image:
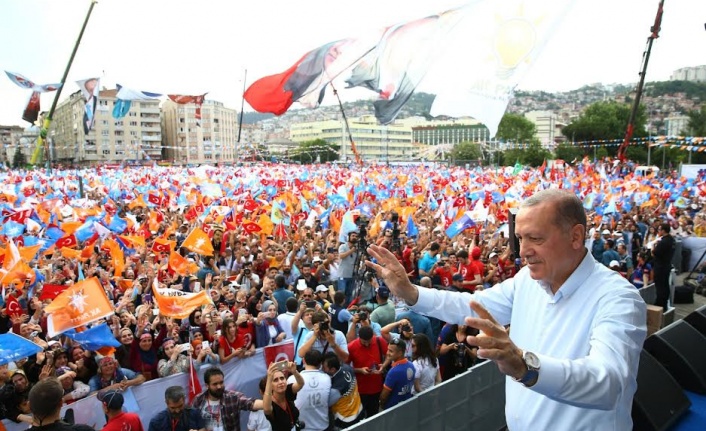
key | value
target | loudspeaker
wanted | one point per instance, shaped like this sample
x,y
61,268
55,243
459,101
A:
x,y
659,401
697,319
682,351
514,242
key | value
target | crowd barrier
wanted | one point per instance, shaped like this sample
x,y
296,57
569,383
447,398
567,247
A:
x,y
474,400
147,399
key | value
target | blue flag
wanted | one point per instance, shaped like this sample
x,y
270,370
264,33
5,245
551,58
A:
x,y
412,230
459,226
94,338
14,347
12,229
117,225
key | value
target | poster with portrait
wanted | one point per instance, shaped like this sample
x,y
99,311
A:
x,y
90,88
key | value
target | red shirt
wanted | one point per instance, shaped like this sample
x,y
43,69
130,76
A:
x,y
468,272
480,268
445,275
361,357
124,422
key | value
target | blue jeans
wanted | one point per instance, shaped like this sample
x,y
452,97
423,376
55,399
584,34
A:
x,y
346,285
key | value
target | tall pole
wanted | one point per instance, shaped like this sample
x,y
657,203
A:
x,y
47,120
242,108
643,72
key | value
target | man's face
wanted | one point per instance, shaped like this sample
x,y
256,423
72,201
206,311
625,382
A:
x,y
216,386
549,251
175,407
326,369
20,382
394,353
306,271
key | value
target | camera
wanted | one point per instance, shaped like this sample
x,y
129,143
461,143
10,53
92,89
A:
x,y
324,326
363,315
299,425
362,221
405,328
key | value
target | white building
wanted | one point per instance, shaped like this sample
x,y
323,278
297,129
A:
x,y
693,74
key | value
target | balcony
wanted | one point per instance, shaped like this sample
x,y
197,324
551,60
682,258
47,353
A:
x,y
151,138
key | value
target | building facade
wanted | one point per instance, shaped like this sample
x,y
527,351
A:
x,y
14,138
449,132
677,125
133,139
547,127
693,74
211,140
373,141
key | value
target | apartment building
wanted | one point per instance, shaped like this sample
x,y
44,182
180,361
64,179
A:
x,y
133,139
693,74
14,138
373,141
547,127
440,132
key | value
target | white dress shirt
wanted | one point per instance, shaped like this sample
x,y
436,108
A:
x,y
588,337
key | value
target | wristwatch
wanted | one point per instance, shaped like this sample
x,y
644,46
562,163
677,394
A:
x,y
532,363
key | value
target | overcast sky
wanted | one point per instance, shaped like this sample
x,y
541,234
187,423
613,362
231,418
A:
x,y
198,46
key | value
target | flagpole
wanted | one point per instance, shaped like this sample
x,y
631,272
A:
x,y
47,120
242,108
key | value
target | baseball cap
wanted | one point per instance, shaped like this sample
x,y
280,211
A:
x,y
316,259
112,399
457,277
614,263
605,232
492,255
321,288
383,292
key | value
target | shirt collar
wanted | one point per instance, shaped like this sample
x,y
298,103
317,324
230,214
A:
x,y
401,361
575,280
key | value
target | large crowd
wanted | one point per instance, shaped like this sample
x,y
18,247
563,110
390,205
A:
x,y
358,350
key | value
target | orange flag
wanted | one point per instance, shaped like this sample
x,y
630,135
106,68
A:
x,y
117,257
177,304
138,203
266,224
70,253
18,273
70,227
178,263
134,239
79,305
29,253
198,242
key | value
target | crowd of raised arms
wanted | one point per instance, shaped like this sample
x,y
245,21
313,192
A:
x,y
295,280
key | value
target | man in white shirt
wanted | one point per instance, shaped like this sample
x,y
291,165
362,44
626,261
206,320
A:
x,y
313,398
285,319
577,327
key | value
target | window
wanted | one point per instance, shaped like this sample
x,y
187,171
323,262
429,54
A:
x,y
106,152
132,114
133,133
133,123
104,122
103,102
105,132
119,123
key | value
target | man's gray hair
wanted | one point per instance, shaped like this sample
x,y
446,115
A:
x,y
425,282
174,394
568,208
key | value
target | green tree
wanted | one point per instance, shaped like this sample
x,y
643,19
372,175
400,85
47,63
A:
x,y
310,151
605,120
515,128
568,152
535,154
697,122
466,151
18,159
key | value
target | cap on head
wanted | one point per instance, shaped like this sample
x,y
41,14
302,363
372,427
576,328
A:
x,y
113,400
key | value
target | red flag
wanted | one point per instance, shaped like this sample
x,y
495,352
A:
x,y
184,99
21,216
251,227
200,208
250,205
543,167
194,383
68,241
162,246
552,174
417,188
281,231
460,201
191,215
13,307
51,291
154,199
279,352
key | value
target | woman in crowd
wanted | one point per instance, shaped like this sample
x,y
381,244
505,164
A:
x,y
203,355
278,398
83,364
459,354
143,353
642,273
122,353
427,373
173,361
269,331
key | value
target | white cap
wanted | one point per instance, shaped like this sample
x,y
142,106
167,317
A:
x,y
316,259
614,263
492,255
605,232
321,288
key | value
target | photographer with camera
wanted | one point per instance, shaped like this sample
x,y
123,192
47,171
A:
x,y
247,279
405,332
360,319
347,253
457,354
324,338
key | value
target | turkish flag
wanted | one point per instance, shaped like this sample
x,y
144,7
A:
x,y
200,208
154,199
281,183
29,192
417,188
264,182
298,217
281,231
162,246
51,291
191,215
460,201
194,383
68,241
21,216
230,218
251,227
279,352
250,205
208,229
13,307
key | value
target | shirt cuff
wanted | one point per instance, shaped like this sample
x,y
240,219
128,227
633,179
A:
x,y
551,376
425,300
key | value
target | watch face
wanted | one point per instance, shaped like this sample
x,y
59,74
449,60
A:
x,y
531,360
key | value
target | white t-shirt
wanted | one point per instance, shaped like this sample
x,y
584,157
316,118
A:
x,y
211,413
426,373
313,399
258,422
285,321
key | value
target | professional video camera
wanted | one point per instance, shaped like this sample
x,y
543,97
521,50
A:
x,y
361,273
396,246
